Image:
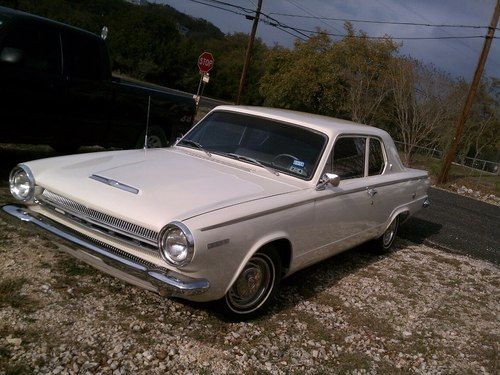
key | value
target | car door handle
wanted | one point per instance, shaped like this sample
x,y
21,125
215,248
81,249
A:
x,y
371,192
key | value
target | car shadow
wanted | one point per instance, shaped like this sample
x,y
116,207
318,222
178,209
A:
x,y
307,283
418,230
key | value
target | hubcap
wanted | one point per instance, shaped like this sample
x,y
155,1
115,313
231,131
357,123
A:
x,y
253,285
154,141
390,233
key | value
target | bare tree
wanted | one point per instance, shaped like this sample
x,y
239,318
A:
x,y
419,96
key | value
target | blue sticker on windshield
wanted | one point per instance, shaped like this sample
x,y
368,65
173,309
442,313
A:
x,y
299,163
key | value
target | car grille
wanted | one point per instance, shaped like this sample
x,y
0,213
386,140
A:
x,y
99,220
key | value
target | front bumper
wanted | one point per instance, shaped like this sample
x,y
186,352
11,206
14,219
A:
x,y
115,261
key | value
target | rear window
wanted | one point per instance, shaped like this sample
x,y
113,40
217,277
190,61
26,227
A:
x,y
82,56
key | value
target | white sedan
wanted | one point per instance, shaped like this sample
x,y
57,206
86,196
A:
x,y
249,196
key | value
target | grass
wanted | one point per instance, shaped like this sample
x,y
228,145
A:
x,y
10,295
487,183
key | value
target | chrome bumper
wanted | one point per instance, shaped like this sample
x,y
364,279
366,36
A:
x,y
116,263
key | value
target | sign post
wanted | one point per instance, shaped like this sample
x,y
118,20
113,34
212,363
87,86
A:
x,y
205,64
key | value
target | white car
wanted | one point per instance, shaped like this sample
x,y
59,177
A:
x,y
250,195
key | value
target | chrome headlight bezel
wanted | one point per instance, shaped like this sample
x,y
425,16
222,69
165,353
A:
x,y
164,251
21,168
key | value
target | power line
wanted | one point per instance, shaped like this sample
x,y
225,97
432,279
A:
x,y
313,15
386,37
380,22
218,7
281,26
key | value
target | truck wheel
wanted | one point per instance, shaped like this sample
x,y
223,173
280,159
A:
x,y
156,138
255,288
384,243
65,148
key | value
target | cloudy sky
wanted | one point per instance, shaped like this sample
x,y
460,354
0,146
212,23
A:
x,y
457,56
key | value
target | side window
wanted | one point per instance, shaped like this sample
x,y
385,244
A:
x,y
376,161
349,157
33,47
82,56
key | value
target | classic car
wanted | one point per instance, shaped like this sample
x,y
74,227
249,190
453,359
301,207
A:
x,y
248,196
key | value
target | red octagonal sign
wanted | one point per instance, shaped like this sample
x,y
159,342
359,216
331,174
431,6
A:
x,y
205,62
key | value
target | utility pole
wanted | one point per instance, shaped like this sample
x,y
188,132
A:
x,y
249,51
452,150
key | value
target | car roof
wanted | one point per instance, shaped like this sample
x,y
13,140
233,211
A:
x,y
328,125
18,14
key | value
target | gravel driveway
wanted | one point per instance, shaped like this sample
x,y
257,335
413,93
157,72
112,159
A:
x,y
416,310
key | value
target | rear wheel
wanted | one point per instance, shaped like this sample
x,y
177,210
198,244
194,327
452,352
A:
x,y
255,287
384,243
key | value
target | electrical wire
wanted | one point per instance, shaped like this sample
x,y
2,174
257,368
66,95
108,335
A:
x,y
381,22
303,32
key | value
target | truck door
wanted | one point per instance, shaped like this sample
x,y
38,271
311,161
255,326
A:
x,y
87,96
30,82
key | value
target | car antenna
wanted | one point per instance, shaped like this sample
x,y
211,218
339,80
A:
x,y
147,124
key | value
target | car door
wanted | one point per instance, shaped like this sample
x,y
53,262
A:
x,y
380,186
342,213
30,82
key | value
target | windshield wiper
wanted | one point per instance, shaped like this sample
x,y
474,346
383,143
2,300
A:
x,y
195,144
253,161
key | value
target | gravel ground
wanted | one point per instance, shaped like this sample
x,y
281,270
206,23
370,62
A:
x,y
415,310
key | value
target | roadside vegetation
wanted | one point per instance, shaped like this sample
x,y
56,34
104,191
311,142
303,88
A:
x,y
354,77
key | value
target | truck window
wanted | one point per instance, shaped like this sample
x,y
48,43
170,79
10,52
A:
x,y
32,46
82,56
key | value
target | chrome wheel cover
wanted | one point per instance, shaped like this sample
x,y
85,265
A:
x,y
390,234
253,286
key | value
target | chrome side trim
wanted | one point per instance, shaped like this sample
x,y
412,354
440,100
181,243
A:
x,y
164,281
95,217
115,184
316,199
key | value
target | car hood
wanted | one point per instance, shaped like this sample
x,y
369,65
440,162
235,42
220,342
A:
x,y
172,184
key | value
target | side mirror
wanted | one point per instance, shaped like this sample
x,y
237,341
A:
x,y
328,179
11,55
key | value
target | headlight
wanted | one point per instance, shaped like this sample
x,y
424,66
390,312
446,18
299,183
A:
x,y
176,244
22,183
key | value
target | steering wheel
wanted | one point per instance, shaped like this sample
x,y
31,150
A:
x,y
280,156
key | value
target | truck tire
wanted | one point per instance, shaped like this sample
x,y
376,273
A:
x,y
65,148
156,138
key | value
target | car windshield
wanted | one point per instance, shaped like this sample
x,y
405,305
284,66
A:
x,y
279,147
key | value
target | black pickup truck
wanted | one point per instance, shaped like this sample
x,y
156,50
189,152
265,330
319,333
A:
x,y
56,88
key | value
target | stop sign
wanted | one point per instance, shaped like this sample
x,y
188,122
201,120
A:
x,y
205,62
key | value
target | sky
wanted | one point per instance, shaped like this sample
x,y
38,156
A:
x,y
456,56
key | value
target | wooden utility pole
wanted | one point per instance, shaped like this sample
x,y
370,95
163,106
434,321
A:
x,y
249,51
452,150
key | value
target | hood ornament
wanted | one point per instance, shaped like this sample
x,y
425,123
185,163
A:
x,y
115,184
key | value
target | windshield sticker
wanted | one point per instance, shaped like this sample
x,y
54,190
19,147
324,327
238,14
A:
x,y
297,170
299,163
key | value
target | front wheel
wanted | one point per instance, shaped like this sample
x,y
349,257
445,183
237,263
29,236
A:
x,y
255,287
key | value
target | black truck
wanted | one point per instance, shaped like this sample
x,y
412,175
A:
x,y
56,88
